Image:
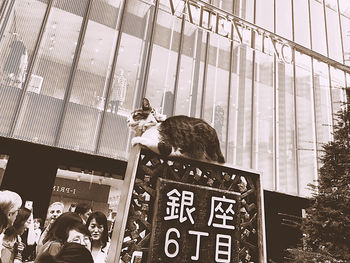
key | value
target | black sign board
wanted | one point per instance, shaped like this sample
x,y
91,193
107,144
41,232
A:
x,y
194,223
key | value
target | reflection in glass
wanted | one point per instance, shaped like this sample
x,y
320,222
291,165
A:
x,y
263,152
284,18
244,9
285,128
135,36
162,73
89,88
190,78
239,141
216,86
345,24
301,23
333,31
307,169
323,107
318,28
17,44
52,67
265,14
338,89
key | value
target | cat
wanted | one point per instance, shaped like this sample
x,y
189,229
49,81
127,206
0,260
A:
x,y
177,135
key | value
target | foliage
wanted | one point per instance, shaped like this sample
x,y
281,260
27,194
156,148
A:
x,y
326,228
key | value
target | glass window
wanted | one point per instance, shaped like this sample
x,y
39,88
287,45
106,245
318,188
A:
x,y
318,27
90,85
285,129
162,73
284,18
265,14
301,23
263,126
307,168
344,6
134,42
338,89
323,106
216,86
190,75
43,104
226,5
239,140
18,34
3,163
244,9
333,31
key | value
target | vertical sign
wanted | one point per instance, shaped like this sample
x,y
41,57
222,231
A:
x,y
194,223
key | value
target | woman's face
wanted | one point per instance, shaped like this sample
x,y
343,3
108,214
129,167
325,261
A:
x,y
95,229
76,237
36,224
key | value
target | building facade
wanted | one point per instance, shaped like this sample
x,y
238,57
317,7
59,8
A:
x,y
268,75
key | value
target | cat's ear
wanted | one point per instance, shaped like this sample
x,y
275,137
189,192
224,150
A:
x,y
145,104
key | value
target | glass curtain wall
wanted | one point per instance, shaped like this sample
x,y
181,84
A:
x,y
71,73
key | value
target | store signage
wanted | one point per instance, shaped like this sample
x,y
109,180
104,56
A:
x,y
194,223
81,190
231,27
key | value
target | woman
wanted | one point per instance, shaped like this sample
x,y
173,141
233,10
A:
x,y
98,228
70,253
12,243
58,233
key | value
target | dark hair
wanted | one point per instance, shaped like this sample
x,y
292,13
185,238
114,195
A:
x,y
101,219
59,229
82,208
21,219
39,220
81,228
69,253
3,220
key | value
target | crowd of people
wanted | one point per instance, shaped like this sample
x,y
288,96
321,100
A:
x,y
79,235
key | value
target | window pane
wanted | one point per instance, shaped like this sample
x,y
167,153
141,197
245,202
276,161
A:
x,y
244,9
239,141
323,104
344,6
301,23
137,21
190,79
265,14
284,18
17,44
307,169
263,152
43,103
89,89
318,27
162,73
286,148
216,87
338,89
333,31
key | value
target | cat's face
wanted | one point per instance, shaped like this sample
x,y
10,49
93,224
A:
x,y
143,118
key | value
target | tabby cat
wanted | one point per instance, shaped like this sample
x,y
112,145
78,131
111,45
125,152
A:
x,y
177,135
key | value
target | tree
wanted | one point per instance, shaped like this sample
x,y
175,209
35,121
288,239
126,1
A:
x,y
326,228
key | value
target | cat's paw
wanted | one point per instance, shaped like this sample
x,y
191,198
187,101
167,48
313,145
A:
x,y
136,140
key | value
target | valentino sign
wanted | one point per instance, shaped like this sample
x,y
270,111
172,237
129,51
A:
x,y
222,23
